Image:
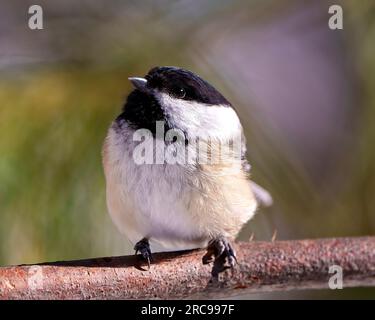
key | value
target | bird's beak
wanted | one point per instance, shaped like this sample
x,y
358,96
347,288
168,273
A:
x,y
139,83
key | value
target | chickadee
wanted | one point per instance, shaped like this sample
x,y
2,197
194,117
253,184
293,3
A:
x,y
186,200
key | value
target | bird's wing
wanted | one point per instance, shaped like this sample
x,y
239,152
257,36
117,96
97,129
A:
x,y
262,196
245,164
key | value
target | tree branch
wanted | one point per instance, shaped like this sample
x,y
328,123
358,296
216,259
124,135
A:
x,y
263,266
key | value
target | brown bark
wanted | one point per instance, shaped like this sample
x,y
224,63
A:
x,y
262,266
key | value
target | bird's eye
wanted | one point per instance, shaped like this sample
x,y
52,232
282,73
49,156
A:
x,y
180,93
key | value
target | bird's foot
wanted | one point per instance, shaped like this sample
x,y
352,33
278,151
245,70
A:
x,y
143,247
221,252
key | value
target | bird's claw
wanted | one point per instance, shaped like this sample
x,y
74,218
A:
x,y
143,247
221,252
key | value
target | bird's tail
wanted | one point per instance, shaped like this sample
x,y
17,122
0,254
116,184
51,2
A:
x,y
262,196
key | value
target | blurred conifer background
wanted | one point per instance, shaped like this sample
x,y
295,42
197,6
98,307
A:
x,y
305,95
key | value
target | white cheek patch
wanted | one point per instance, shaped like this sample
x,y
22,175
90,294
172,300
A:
x,y
199,120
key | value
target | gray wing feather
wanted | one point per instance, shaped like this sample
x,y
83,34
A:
x,y
262,196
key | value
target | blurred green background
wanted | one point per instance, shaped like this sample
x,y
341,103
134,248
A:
x,y
305,95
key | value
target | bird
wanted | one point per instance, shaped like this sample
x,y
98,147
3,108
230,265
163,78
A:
x,y
175,166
